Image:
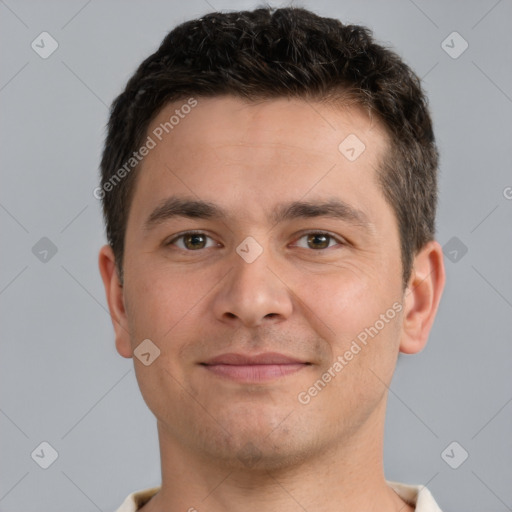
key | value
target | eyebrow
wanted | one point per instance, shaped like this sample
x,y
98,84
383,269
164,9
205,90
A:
x,y
198,209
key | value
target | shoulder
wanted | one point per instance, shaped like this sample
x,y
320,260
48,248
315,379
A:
x,y
137,499
417,496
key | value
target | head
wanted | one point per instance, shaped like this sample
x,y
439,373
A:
x,y
283,53
267,124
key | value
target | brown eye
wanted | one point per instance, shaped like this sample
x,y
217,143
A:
x,y
192,241
318,241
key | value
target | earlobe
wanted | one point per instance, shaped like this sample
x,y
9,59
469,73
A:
x,y
422,297
115,299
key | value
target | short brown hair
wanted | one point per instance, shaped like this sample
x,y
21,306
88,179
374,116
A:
x,y
270,53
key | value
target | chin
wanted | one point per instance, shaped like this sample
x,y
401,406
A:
x,y
262,446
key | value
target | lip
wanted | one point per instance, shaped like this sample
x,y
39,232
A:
x,y
257,359
254,368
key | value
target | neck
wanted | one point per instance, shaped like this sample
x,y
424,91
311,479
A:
x,y
341,477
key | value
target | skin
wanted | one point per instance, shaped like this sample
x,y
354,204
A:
x,y
225,443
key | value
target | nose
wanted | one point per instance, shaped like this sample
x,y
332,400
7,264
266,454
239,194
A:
x,y
253,294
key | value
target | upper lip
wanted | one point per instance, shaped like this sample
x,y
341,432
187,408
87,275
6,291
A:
x,y
245,359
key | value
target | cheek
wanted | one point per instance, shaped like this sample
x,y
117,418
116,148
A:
x,y
346,300
160,299
161,308
363,344
360,312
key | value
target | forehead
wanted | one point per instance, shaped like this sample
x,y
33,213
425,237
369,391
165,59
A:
x,y
250,155
285,122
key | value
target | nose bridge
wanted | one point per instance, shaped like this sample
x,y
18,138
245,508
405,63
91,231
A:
x,y
252,294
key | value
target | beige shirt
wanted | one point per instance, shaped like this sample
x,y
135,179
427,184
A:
x,y
417,496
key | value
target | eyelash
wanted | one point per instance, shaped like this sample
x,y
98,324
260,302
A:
x,y
324,233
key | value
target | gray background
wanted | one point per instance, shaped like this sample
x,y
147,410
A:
x,y
62,380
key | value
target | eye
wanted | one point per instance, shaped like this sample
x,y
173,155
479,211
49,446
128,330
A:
x,y
192,241
319,240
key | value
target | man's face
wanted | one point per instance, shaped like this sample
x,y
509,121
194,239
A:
x,y
319,281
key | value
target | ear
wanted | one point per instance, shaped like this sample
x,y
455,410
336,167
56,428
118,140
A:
x,y
422,297
115,298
